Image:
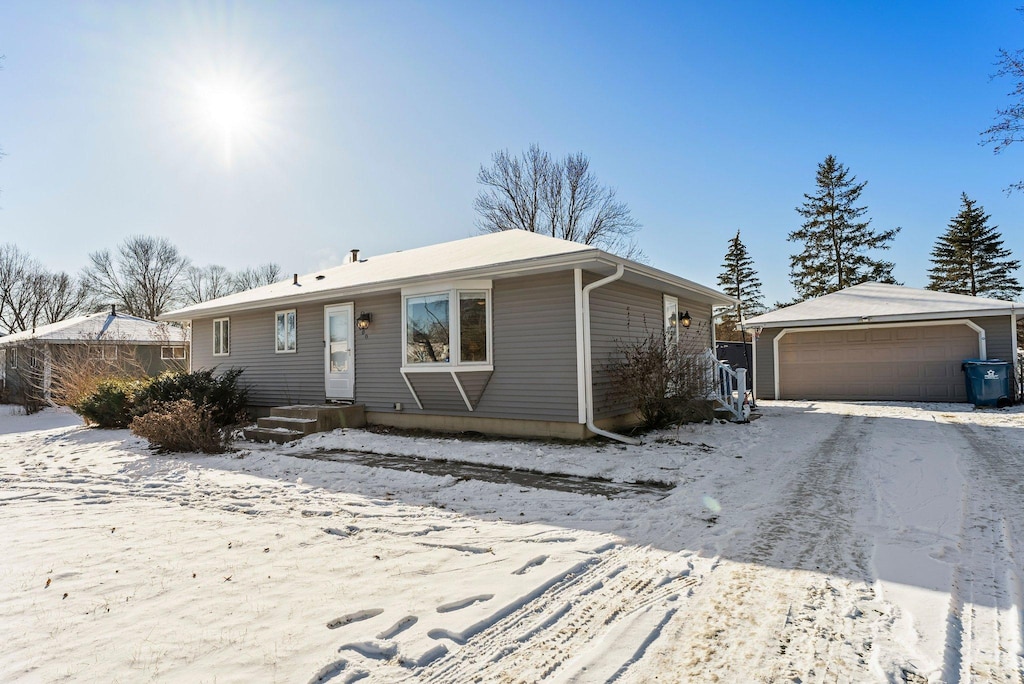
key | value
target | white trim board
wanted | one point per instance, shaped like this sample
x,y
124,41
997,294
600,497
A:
x,y
982,350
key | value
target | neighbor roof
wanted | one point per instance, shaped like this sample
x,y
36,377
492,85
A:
x,y
103,326
493,254
880,302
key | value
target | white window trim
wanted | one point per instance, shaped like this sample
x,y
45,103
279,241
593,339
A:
x,y
14,357
164,356
295,317
213,341
452,289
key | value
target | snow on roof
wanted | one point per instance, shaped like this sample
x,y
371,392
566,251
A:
x,y
102,326
874,301
481,255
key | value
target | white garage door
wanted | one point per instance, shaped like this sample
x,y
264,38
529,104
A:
x,y
896,363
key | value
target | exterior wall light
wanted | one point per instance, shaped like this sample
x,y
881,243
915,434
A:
x,y
364,320
686,319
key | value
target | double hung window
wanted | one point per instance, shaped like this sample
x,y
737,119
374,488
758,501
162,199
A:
x,y
284,332
221,337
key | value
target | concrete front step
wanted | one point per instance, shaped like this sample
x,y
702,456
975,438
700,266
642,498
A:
x,y
306,426
278,435
327,416
288,423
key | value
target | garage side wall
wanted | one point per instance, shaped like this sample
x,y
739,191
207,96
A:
x,y
764,363
998,340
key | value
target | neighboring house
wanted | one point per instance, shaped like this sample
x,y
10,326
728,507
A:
x,y
507,333
28,359
879,342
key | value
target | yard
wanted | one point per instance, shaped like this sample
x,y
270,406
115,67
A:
x,y
823,542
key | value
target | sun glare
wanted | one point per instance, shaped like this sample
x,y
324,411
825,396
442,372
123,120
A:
x,y
228,113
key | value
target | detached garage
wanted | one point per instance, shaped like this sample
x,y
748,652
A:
x,y
879,342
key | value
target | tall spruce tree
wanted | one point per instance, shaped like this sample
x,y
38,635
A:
x,y
738,279
969,258
836,242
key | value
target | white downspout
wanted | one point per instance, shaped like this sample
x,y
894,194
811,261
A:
x,y
588,360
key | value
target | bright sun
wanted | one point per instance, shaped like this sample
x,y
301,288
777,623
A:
x,y
229,113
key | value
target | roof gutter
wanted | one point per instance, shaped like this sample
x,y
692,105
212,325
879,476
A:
x,y
588,362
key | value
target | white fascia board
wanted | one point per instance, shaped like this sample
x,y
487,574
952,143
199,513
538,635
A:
x,y
716,298
539,264
897,318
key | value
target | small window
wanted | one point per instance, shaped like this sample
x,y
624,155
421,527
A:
x,y
100,352
284,332
172,353
222,337
671,321
14,357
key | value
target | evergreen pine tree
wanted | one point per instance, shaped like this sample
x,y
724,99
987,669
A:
x,y
969,258
835,240
738,279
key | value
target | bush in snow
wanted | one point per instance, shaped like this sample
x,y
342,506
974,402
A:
x,y
663,383
112,404
222,395
181,426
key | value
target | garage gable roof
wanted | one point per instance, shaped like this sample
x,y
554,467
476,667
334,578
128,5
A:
x,y
881,302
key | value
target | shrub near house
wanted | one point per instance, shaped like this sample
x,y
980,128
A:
x,y
175,412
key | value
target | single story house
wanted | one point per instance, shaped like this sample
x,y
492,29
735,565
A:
x,y
28,359
505,333
875,341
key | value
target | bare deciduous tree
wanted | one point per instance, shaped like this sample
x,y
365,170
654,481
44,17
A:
x,y
1009,125
258,276
207,282
562,199
30,295
143,278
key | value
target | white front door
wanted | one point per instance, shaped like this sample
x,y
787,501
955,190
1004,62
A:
x,y
339,354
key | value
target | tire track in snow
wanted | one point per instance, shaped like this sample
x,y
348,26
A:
x,y
984,639
793,600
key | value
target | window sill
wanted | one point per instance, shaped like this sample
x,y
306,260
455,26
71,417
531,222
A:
x,y
285,351
448,368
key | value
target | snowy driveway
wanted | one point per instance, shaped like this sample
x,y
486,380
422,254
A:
x,y
824,542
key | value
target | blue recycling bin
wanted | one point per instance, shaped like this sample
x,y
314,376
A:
x,y
988,382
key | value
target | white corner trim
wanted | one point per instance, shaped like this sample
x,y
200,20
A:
x,y
408,384
581,367
462,391
982,344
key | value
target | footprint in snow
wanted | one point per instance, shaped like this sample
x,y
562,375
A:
x,y
358,616
463,603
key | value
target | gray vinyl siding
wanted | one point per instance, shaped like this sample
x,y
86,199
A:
x,y
273,379
998,345
764,363
621,313
534,349
998,337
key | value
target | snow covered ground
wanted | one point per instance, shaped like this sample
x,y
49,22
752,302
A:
x,y
824,542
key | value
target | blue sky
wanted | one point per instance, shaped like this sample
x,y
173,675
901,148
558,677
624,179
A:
x,y
366,122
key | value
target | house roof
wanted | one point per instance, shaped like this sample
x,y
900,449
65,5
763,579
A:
x,y
484,256
103,326
880,302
